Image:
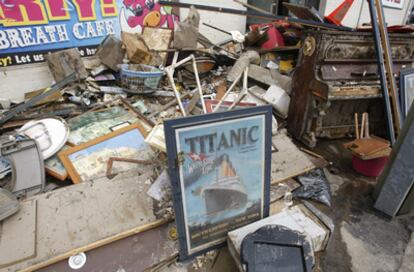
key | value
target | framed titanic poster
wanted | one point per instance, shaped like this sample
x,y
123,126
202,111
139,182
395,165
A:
x,y
219,165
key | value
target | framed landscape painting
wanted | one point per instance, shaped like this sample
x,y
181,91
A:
x,y
55,168
219,166
96,123
90,160
211,105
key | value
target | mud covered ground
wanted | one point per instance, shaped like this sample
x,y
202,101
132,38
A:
x,y
364,239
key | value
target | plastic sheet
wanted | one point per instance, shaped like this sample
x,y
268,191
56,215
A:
x,y
315,186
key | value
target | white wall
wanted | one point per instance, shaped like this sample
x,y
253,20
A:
x,y
393,16
15,81
223,21
358,14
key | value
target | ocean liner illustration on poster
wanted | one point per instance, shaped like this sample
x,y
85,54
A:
x,y
221,172
226,192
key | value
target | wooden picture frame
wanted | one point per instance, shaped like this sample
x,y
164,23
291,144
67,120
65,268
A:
x,y
119,126
406,90
54,166
213,190
89,160
211,104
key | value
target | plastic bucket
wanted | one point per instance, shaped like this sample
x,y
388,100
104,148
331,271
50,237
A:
x,y
369,168
139,78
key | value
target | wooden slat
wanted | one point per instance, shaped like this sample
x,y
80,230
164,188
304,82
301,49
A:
x,y
16,248
392,86
288,161
96,244
90,214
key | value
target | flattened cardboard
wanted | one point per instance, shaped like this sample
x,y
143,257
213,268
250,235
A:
x,y
64,63
18,235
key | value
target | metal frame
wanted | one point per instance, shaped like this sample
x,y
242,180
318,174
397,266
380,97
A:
x,y
241,95
394,191
276,236
382,73
403,93
27,179
389,66
170,74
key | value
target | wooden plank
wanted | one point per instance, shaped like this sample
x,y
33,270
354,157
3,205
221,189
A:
x,y
64,63
278,190
89,214
383,77
389,66
158,39
97,244
51,98
367,146
288,161
380,154
18,235
356,126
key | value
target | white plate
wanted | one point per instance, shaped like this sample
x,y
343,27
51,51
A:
x,y
50,134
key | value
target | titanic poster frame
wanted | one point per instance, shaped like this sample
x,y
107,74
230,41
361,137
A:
x,y
219,166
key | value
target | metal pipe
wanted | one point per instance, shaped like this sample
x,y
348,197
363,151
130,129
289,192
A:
x,y
218,29
383,76
253,7
200,90
244,90
170,76
227,93
389,66
170,73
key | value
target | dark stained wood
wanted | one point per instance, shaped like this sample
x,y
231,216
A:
x,y
134,253
327,89
64,63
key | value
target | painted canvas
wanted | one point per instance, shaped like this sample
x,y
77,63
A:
x,y
94,124
90,160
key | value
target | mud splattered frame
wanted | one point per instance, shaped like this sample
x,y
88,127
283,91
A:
x,y
219,166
